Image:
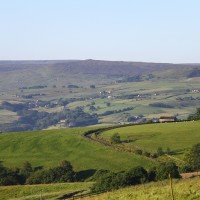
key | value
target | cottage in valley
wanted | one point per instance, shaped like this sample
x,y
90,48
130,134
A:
x,y
167,119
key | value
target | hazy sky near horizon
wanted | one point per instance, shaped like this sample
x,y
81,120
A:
x,y
129,30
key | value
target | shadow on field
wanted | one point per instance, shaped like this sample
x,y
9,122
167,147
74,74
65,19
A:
x,y
178,151
69,195
85,174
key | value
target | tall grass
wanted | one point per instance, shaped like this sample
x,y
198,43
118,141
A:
x,y
47,191
183,190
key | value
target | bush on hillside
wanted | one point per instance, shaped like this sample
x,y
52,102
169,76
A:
x,y
98,174
196,116
160,151
192,157
136,175
63,173
115,138
9,176
111,180
164,169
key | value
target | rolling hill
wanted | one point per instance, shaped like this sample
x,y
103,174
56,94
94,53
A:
x,y
114,91
47,148
23,73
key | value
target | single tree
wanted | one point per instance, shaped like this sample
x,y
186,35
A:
x,y
160,151
164,169
192,157
115,139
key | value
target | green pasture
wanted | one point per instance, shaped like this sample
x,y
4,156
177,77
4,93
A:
x,y
176,136
7,116
47,148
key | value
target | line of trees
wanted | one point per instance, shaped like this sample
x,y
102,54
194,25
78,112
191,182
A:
x,y
64,172
35,120
28,175
196,116
137,175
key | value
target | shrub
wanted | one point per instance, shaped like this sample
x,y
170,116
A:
x,y
152,174
135,176
154,155
192,157
63,173
169,152
185,169
147,154
10,177
98,174
115,139
164,169
160,151
111,180
138,151
105,183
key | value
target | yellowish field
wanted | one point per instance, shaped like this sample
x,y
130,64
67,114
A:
x,y
43,191
183,190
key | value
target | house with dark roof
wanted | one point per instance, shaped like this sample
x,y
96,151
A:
x,y
167,119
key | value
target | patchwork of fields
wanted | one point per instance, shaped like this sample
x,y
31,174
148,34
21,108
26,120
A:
x,y
113,93
102,88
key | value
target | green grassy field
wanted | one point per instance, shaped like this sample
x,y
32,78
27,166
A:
x,y
48,148
183,190
7,116
43,191
177,136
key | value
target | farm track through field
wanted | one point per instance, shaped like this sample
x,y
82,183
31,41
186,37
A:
x,y
94,137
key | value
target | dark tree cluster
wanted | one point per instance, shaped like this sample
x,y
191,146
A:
x,y
161,105
194,73
110,112
29,175
35,120
136,78
196,116
192,158
138,175
34,87
13,107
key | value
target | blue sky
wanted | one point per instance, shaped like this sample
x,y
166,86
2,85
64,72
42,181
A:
x,y
129,30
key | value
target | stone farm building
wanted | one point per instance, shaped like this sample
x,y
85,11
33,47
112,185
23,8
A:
x,y
167,119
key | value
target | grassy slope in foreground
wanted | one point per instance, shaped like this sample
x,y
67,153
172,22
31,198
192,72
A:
x,y
48,148
47,191
176,136
183,190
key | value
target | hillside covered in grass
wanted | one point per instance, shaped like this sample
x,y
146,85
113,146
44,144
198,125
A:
x,y
183,190
48,148
45,191
176,136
